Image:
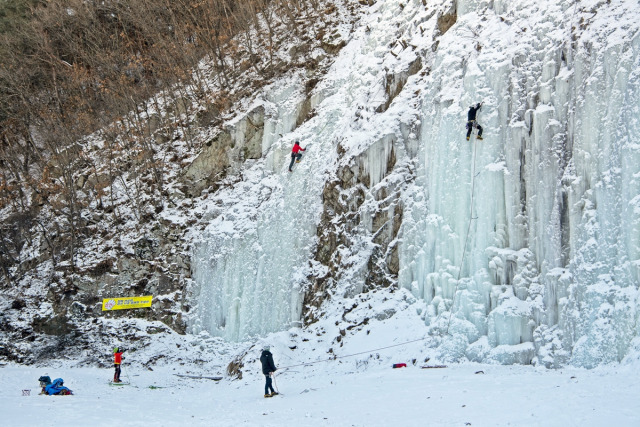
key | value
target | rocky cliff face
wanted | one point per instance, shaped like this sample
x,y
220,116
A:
x,y
522,247
142,244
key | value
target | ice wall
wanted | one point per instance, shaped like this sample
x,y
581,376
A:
x,y
557,175
252,259
247,263
525,246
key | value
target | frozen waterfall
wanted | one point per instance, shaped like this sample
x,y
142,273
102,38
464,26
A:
x,y
253,257
530,239
551,267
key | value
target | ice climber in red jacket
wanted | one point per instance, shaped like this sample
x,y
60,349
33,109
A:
x,y
295,154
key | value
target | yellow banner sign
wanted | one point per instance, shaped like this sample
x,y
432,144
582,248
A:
x,y
109,304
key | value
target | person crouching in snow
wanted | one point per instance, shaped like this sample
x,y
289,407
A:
x,y
57,388
45,381
268,368
117,361
295,154
471,121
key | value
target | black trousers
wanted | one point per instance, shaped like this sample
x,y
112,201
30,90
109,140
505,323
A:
x,y
268,385
116,375
294,157
473,124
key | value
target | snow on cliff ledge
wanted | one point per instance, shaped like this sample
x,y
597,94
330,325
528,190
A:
x,y
523,247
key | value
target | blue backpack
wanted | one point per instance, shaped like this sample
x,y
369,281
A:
x,y
57,387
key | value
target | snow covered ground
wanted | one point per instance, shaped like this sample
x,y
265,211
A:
x,y
326,394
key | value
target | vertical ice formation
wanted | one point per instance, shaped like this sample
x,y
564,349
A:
x,y
547,204
250,262
530,239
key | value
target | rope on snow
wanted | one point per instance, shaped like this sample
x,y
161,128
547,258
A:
x,y
354,354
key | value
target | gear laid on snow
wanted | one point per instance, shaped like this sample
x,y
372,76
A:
x,y
199,377
471,121
57,388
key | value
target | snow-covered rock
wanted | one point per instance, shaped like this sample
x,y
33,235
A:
x,y
528,239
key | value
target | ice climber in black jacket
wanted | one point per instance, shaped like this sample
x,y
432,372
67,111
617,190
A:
x,y
471,121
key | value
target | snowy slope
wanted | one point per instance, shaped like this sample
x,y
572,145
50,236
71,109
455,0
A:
x,y
520,248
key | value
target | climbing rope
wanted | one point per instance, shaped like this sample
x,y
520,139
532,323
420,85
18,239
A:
x,y
275,386
351,355
466,239
464,251
126,373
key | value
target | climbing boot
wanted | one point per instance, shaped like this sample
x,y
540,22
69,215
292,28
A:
x,y
479,137
467,138
275,393
267,395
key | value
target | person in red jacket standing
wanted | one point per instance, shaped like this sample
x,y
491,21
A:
x,y
117,361
295,154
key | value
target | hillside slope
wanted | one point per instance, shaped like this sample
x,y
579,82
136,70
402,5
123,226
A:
x,y
522,247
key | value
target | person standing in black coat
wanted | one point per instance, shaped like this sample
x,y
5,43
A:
x,y
268,368
471,121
